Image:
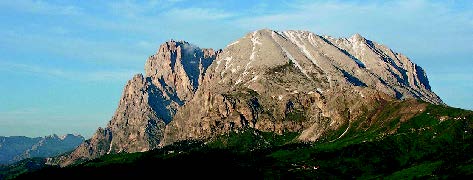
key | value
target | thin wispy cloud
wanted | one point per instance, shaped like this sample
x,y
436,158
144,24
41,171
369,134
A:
x,y
40,7
198,14
72,48
87,76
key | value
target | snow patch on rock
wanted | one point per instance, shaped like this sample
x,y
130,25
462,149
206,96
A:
x,y
291,58
255,41
228,64
300,45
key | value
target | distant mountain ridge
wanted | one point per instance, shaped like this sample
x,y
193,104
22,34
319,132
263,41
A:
x,y
16,148
272,81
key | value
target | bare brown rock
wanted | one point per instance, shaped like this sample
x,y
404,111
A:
x,y
148,102
179,66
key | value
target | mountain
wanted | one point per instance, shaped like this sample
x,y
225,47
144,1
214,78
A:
x,y
270,81
297,81
148,102
16,148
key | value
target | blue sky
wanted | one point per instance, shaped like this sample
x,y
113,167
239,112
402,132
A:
x,y
63,64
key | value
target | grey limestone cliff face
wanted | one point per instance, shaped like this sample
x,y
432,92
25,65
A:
x,y
148,102
296,81
179,66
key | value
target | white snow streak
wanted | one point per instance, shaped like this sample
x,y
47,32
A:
x,y
290,56
357,46
218,64
359,49
312,40
228,61
346,130
110,148
238,81
254,40
300,45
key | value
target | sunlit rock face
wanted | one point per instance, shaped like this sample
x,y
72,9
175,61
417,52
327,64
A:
x,y
296,81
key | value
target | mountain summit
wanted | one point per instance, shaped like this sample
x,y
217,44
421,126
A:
x,y
296,81
276,81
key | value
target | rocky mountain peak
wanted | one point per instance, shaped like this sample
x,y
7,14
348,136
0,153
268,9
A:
x,y
357,38
296,81
324,59
149,102
179,65
64,137
278,81
69,136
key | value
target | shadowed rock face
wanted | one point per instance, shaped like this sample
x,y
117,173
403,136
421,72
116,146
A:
x,y
293,81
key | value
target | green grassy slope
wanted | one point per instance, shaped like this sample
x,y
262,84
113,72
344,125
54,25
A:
x,y
436,143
